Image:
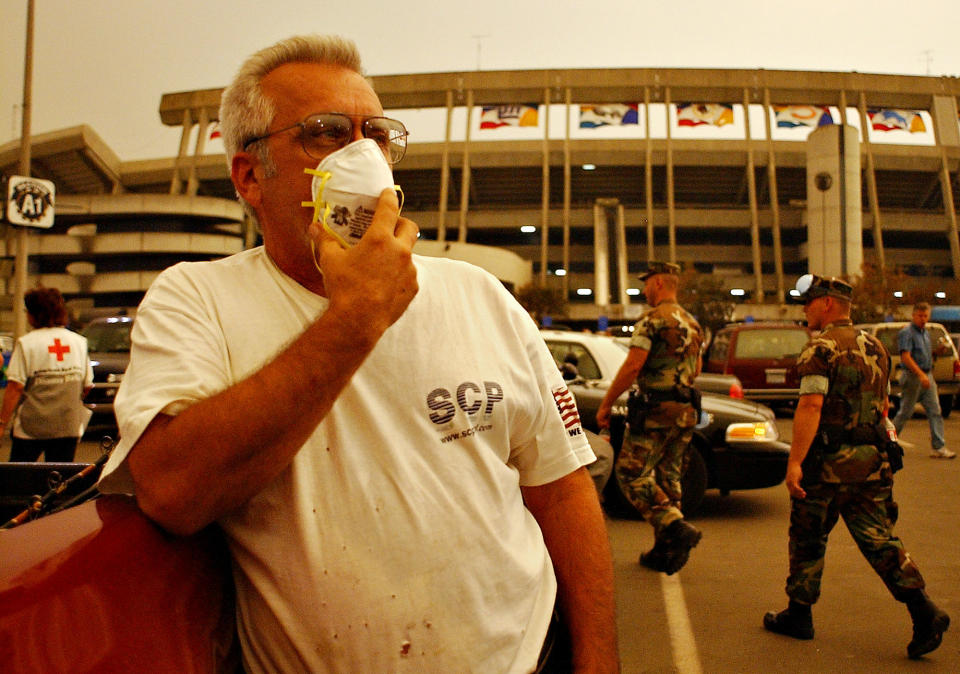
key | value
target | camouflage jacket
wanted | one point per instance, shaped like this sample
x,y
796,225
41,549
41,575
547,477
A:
x,y
852,371
672,338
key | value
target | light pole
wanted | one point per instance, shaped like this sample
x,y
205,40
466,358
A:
x,y
20,262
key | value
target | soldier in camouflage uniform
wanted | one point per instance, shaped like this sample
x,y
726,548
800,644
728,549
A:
x,y
840,465
664,359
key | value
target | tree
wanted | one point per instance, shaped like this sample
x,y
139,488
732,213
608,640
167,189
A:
x,y
873,299
540,302
705,297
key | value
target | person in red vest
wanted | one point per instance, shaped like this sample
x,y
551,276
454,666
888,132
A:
x,y
48,376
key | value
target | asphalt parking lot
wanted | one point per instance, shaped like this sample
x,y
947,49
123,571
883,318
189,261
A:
x,y
708,617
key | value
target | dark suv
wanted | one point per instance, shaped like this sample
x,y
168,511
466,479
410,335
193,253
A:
x,y
108,342
762,355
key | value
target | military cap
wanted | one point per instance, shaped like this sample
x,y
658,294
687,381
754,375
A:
x,y
654,268
812,286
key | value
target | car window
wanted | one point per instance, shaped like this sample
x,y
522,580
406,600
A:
x,y
936,333
586,365
888,337
108,336
719,347
772,343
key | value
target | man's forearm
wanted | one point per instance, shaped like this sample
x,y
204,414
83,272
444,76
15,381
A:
x,y
11,396
910,363
217,454
806,419
568,512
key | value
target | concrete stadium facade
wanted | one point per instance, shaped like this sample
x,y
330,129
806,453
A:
x,y
738,204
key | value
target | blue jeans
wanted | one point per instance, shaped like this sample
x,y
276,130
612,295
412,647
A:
x,y
910,395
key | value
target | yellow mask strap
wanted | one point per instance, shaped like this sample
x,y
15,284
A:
x,y
320,208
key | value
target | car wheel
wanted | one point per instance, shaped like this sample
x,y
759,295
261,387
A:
x,y
694,481
946,405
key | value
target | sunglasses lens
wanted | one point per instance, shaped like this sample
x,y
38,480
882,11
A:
x,y
322,134
389,134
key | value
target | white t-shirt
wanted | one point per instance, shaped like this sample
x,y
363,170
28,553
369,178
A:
x,y
53,366
397,539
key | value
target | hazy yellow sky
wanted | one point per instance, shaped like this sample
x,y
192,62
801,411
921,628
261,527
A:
x,y
106,63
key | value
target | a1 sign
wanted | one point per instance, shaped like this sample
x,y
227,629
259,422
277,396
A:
x,y
30,201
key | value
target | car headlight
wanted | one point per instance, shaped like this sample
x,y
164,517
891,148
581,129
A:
x,y
756,431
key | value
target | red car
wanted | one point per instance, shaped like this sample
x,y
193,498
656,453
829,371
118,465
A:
x,y
762,355
99,588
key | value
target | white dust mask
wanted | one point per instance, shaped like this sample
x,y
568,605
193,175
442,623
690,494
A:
x,y
346,188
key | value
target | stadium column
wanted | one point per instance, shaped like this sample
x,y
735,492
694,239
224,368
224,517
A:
x,y
947,135
445,173
545,190
648,171
202,123
465,176
671,214
752,198
872,186
834,214
565,279
774,198
186,127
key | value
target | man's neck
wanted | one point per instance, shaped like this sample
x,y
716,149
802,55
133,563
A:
x,y
666,297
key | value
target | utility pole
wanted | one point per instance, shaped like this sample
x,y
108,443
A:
x,y
20,262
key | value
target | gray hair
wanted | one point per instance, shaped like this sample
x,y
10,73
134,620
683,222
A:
x,y
245,112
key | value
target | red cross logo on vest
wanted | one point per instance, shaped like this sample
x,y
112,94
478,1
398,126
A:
x,y
59,348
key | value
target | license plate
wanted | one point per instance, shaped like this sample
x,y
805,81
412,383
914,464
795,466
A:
x,y
776,376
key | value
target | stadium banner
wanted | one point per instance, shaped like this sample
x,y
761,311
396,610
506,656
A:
x,y
792,116
695,114
495,116
614,114
891,119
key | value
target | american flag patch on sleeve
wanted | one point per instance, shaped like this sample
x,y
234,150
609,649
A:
x,y
567,407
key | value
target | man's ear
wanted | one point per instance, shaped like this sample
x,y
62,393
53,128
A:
x,y
246,178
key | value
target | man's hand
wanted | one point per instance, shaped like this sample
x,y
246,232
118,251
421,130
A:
x,y
794,475
373,282
924,380
603,415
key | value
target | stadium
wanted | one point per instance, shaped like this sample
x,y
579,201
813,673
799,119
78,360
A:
x,y
565,179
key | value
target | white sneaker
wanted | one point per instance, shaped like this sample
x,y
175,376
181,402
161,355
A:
x,y
943,453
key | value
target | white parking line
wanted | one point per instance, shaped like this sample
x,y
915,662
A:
x,y
686,659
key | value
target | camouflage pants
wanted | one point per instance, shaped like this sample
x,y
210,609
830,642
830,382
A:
x,y
869,511
649,469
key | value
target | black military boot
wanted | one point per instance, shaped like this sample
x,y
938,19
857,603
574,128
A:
x,y
929,624
680,538
794,621
656,558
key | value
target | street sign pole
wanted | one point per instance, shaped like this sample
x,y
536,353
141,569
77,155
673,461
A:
x,y
21,260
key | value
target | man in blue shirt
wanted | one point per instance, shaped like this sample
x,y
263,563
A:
x,y
918,385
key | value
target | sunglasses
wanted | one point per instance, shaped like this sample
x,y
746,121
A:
x,y
326,132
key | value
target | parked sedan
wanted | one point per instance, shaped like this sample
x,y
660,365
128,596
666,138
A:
x,y
108,341
737,442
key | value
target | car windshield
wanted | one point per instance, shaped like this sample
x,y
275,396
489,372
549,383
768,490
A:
x,y
108,336
889,337
772,343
